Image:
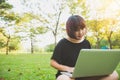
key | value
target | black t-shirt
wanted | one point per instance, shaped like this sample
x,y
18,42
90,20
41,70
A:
x,y
66,52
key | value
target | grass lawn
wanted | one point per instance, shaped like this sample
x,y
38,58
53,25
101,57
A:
x,y
27,67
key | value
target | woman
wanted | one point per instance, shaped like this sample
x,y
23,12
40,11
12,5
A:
x,y
67,50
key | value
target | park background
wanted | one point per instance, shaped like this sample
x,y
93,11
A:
x,y
29,31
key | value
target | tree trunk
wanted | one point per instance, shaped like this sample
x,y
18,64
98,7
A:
x,y
56,29
109,39
55,39
110,43
98,44
7,45
32,50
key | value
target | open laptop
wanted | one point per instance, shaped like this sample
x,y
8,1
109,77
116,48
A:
x,y
95,62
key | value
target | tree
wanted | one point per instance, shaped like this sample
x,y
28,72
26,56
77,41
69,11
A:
x,y
116,40
53,19
96,27
110,29
50,19
30,27
4,7
2,40
55,30
8,18
103,29
7,34
73,6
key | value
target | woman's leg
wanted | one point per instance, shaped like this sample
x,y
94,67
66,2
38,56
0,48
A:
x,y
64,77
113,76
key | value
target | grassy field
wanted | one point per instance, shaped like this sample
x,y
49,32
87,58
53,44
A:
x,y
27,67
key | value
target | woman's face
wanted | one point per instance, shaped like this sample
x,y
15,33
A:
x,y
80,33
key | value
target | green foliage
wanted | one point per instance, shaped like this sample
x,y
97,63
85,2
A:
x,y
25,18
3,8
38,49
50,48
4,11
2,43
92,41
4,5
41,30
2,40
26,67
104,43
116,40
1,1
14,44
10,17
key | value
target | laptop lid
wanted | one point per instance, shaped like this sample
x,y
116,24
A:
x,y
96,62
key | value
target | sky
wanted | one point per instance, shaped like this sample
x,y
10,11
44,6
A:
x,y
99,9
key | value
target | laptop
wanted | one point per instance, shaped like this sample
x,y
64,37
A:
x,y
95,62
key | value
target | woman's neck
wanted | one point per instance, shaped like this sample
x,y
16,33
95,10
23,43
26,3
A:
x,y
75,40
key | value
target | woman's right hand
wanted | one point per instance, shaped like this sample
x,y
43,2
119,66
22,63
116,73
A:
x,y
70,69
61,67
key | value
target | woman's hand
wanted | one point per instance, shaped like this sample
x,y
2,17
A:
x,y
61,67
70,69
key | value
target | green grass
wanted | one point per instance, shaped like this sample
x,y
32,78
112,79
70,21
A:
x,y
28,67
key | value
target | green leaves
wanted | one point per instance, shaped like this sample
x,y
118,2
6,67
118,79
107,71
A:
x,y
4,5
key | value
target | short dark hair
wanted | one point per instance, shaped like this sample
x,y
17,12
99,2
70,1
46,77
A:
x,y
74,23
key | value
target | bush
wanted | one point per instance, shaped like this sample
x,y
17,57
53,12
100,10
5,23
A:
x,y
50,48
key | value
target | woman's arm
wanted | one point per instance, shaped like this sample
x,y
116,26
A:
x,y
60,67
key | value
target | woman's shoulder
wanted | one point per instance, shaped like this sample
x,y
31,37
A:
x,y
86,43
62,41
85,40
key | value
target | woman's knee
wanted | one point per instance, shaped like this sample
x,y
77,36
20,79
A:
x,y
64,77
113,76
